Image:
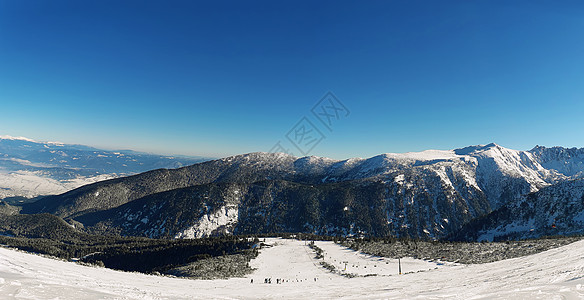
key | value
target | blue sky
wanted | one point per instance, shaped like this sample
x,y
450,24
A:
x,y
218,78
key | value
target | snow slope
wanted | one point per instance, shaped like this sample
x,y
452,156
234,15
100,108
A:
x,y
554,274
226,216
368,265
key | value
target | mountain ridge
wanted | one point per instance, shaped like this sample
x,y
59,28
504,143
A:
x,y
29,168
429,194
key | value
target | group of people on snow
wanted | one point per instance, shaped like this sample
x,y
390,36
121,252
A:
x,y
268,280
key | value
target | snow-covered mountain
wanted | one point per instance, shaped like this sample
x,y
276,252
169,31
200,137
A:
x,y
428,194
29,168
554,210
566,161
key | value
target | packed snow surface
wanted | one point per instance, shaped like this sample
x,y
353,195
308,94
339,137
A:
x,y
554,274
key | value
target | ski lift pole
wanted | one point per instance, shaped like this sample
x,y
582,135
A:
x,y
399,265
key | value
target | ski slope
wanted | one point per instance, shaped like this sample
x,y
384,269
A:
x,y
554,274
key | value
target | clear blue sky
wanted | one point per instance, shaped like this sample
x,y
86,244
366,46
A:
x,y
220,77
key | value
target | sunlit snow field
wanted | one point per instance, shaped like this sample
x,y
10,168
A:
x,y
556,273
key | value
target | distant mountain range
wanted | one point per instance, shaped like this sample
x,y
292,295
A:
x,y
464,193
29,168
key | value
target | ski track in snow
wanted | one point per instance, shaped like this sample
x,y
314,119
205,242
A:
x,y
554,274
